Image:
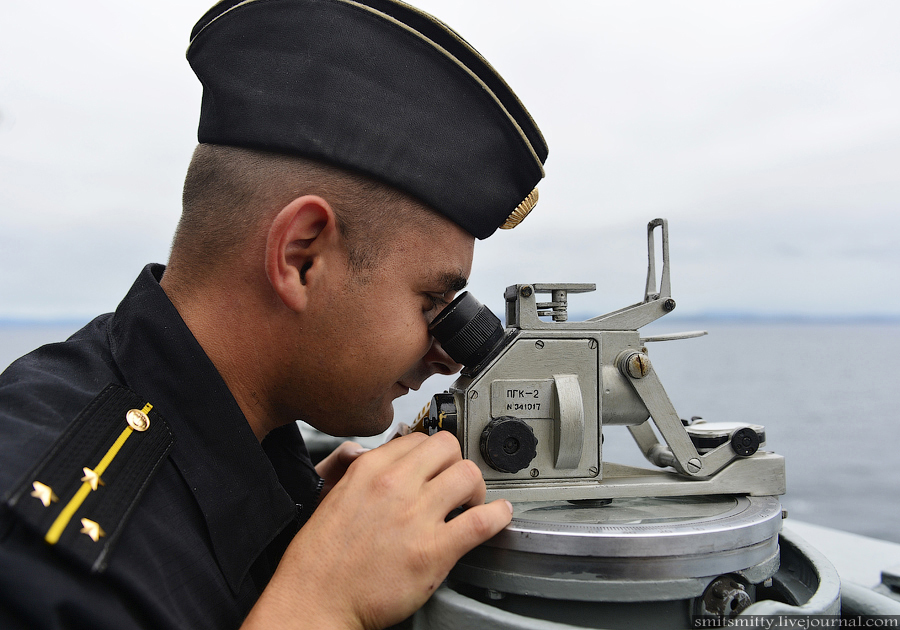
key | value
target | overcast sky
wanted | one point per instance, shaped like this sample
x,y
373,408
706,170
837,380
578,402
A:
x,y
768,133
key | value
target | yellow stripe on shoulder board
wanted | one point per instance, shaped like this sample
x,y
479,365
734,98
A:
x,y
62,521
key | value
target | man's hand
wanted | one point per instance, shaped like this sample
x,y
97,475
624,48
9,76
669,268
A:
x,y
333,467
379,545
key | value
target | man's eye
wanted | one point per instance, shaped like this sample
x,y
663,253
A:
x,y
434,302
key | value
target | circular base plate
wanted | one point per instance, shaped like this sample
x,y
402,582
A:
x,y
578,551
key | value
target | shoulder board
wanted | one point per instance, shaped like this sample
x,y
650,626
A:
x,y
80,494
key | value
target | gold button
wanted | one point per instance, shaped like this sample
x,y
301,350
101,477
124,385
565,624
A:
x,y
137,420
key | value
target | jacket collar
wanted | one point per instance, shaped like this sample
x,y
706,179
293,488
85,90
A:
x,y
237,487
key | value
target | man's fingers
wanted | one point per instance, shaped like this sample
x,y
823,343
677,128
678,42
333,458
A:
x,y
399,447
349,451
477,524
401,430
421,457
460,484
450,481
435,455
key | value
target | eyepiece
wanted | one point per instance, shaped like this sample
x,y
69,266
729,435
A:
x,y
467,330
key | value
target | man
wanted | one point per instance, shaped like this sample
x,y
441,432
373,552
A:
x,y
153,472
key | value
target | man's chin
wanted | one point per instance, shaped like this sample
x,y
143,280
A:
x,y
376,423
363,423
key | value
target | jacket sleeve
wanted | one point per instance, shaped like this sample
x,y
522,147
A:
x,y
39,589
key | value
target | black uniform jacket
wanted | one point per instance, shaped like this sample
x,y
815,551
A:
x,y
211,518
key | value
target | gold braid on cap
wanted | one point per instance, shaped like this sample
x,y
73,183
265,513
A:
x,y
521,211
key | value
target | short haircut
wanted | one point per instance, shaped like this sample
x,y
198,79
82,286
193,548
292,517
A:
x,y
229,192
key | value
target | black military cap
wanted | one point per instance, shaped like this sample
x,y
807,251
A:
x,y
374,86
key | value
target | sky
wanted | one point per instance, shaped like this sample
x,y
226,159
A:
x,y
767,133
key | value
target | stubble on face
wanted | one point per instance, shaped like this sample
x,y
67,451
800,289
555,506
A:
x,y
370,337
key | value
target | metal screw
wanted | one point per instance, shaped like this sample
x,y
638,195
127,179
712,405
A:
x,y
637,365
694,465
783,514
473,395
726,597
526,291
538,344
592,344
495,595
669,305
594,471
535,472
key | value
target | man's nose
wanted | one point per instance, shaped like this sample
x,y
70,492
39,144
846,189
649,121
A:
x,y
438,361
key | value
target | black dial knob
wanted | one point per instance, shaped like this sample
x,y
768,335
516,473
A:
x,y
508,444
745,442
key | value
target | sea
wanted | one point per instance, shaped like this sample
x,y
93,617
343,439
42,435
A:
x,y
827,394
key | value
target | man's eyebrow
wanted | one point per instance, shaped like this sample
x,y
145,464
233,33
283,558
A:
x,y
452,282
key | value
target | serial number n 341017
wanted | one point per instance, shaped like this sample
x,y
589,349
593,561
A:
x,y
523,406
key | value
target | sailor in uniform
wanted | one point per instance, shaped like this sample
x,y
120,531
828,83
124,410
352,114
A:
x,y
152,473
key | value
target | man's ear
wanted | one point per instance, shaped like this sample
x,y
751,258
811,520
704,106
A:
x,y
298,237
